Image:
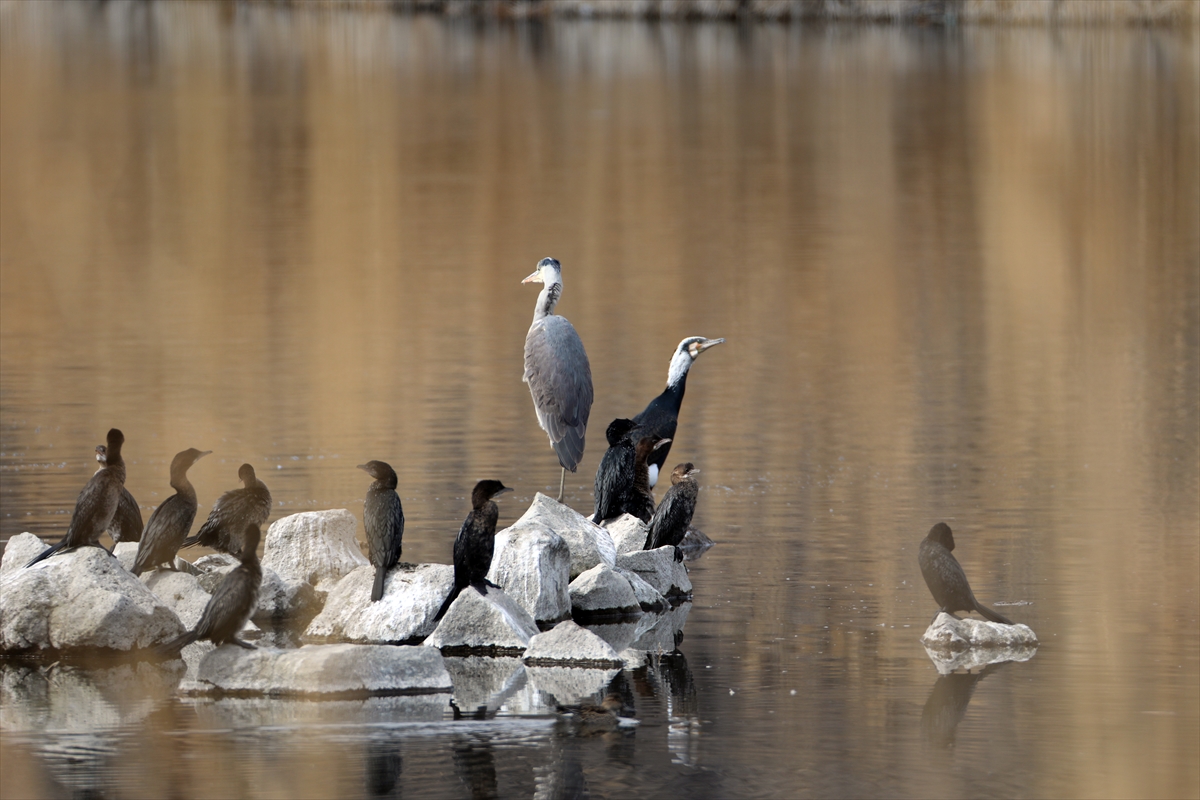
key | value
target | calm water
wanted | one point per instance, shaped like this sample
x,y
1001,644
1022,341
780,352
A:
x,y
958,272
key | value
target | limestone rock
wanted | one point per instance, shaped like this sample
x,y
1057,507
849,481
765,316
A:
x,y
647,596
412,595
695,543
81,599
317,547
180,591
477,622
956,635
659,569
589,543
622,633
628,533
568,644
602,592
20,550
532,564
331,669
126,554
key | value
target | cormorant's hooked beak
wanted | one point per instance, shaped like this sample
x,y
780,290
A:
x,y
205,453
502,491
363,467
699,347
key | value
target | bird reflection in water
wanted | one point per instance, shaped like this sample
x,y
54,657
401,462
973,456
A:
x,y
683,712
384,766
947,704
476,766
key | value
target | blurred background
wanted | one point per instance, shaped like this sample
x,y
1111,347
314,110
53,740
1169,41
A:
x,y
956,264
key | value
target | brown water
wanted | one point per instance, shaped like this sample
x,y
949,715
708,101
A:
x,y
958,271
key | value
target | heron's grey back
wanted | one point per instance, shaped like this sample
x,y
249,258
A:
x,y
560,381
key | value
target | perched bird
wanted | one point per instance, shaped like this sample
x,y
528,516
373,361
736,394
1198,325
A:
x,y
639,500
614,476
232,512
557,371
945,577
383,517
97,502
171,521
660,417
476,538
127,523
674,513
231,604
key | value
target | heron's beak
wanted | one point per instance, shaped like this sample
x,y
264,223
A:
x,y
536,277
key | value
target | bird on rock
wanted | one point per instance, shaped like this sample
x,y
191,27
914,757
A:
x,y
476,540
670,522
945,577
383,518
232,512
171,521
127,524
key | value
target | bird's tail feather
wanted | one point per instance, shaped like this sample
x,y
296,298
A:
x,y
377,589
450,598
994,616
49,551
172,648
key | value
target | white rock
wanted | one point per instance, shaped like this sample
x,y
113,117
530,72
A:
x,y
532,564
628,533
624,632
589,543
568,644
602,592
180,591
412,595
318,547
351,669
477,622
659,569
957,635
81,599
570,685
20,550
647,596
126,554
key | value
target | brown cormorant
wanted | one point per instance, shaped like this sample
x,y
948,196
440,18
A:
x,y
127,524
674,513
232,512
475,542
171,521
945,577
383,519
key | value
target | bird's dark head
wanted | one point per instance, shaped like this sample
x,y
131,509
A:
x,y
618,429
246,475
941,534
486,490
684,472
687,352
115,440
250,539
102,454
379,470
185,458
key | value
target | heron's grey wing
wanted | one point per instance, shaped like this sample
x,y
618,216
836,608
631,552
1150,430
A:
x,y
560,380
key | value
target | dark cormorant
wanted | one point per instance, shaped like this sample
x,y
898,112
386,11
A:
x,y
557,371
640,500
126,525
945,577
674,513
476,538
232,512
383,518
231,604
97,502
614,476
171,521
660,417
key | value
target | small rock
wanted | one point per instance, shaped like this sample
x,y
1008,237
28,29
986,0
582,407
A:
x,y
589,543
532,564
659,569
412,595
628,533
570,645
20,550
330,669
647,596
956,635
602,593
694,543
623,633
317,547
474,622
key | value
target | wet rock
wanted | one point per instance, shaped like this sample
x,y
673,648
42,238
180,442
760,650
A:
x,y
946,633
694,543
483,684
81,599
474,622
568,644
181,592
412,595
20,550
622,633
589,543
647,596
664,632
328,669
316,547
628,533
570,685
659,569
532,564
602,593
280,601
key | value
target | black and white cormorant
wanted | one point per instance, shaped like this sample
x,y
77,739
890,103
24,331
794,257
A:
x,y
673,515
475,542
383,519
231,605
127,524
171,521
614,476
945,577
232,512
557,371
97,503
660,417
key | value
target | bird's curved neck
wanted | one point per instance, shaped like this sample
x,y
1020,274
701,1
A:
x,y
681,362
547,300
181,484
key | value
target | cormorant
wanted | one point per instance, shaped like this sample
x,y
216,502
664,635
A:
x,y
557,371
383,518
640,500
674,513
476,538
231,604
126,525
97,502
171,521
232,512
614,476
660,417
945,577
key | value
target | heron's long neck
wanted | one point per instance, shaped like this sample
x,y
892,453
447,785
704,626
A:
x,y
547,300
681,362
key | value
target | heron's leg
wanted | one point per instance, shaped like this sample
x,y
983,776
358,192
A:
x,y
562,484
